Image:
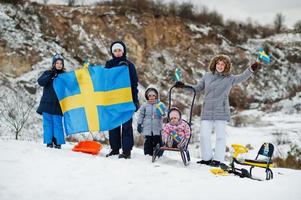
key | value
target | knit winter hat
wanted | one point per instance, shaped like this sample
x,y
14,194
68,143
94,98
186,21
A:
x,y
117,46
57,57
174,112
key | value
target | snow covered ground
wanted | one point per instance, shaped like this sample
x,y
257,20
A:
x,y
29,170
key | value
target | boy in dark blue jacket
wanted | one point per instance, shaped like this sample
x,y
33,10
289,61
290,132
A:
x,y
49,106
122,136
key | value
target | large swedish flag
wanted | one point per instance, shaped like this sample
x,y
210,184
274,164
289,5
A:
x,y
95,98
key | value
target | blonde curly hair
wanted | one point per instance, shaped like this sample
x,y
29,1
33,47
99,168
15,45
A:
x,y
225,59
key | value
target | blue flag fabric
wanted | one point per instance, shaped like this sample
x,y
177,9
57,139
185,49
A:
x,y
95,98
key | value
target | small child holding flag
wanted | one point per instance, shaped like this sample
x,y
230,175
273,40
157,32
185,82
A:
x,y
150,120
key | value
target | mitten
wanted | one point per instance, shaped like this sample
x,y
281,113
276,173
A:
x,y
254,66
179,84
54,72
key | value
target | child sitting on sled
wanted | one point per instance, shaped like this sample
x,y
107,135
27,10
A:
x,y
176,132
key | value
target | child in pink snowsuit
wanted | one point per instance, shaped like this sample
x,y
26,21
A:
x,y
176,132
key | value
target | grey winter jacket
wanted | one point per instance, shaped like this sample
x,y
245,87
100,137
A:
x,y
151,122
216,97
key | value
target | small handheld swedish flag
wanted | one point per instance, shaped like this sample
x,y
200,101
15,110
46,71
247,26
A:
x,y
178,75
175,136
262,56
160,109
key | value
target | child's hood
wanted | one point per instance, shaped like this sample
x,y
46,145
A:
x,y
149,89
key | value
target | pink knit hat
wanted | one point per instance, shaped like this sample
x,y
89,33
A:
x,y
174,114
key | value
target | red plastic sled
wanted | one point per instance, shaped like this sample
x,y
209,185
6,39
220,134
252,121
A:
x,y
90,147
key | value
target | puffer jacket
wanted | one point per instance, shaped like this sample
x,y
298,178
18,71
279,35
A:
x,y
216,97
49,102
182,130
150,120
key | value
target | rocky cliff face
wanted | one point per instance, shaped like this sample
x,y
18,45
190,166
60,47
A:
x,y
157,44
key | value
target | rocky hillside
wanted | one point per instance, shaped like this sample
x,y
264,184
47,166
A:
x,y
30,33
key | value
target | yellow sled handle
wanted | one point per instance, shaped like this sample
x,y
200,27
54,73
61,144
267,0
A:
x,y
239,149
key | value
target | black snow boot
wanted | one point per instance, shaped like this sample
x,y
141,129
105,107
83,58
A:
x,y
50,145
215,163
204,162
113,153
125,155
58,146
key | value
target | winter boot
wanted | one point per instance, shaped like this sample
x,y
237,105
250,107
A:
x,y
50,145
125,155
204,162
58,146
215,163
112,153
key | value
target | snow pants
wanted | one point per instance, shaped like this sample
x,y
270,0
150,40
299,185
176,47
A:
x,y
122,137
53,129
219,127
150,143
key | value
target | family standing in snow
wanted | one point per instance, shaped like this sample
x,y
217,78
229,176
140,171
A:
x,y
216,83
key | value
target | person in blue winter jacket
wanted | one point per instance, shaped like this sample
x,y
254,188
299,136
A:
x,y
122,136
150,120
49,106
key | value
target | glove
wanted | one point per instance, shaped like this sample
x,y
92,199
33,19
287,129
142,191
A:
x,y
54,72
139,128
179,84
254,66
